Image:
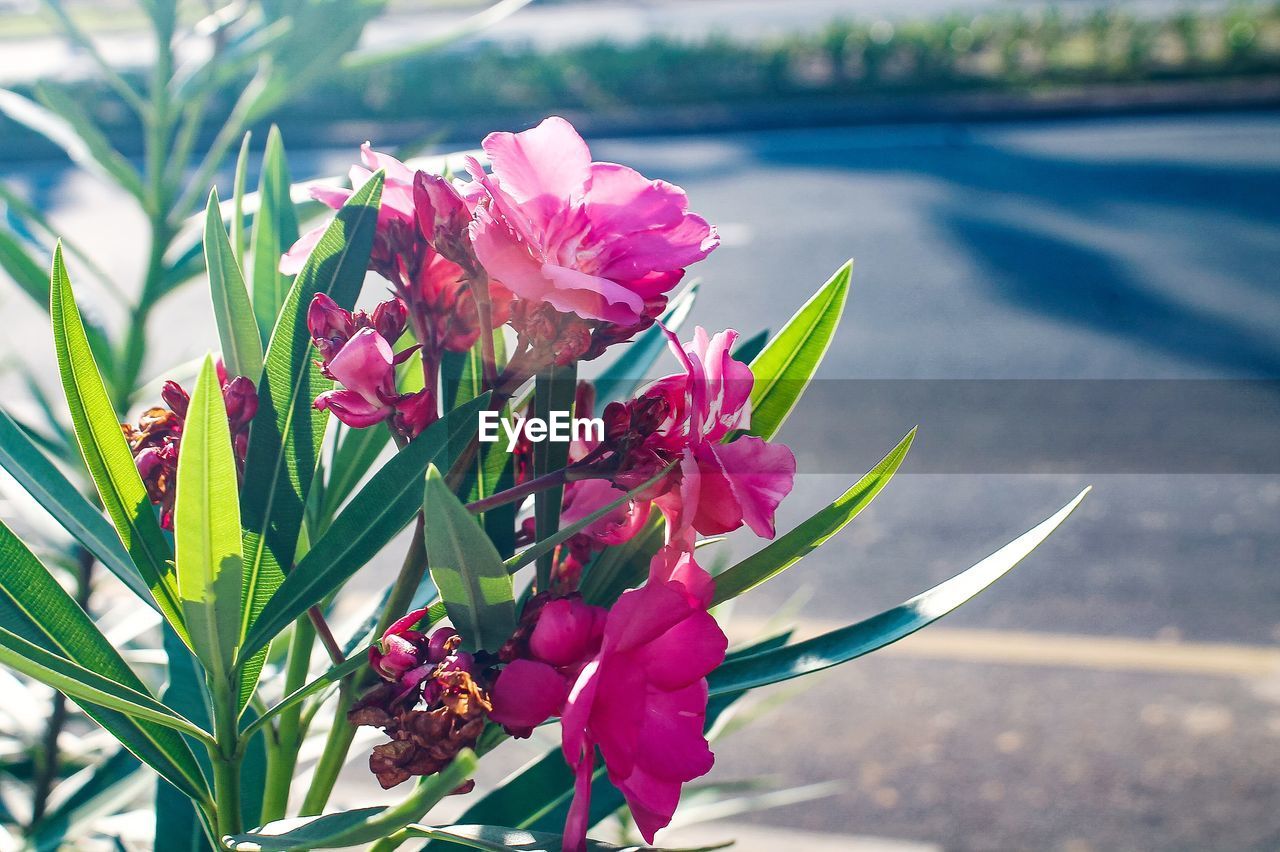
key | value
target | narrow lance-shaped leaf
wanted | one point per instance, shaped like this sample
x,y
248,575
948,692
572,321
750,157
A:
x,y
36,612
275,229
786,365
284,441
207,528
808,536
105,452
51,489
364,825
232,311
845,644
465,566
380,510
554,391
237,200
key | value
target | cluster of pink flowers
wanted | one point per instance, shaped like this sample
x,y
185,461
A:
x,y
576,256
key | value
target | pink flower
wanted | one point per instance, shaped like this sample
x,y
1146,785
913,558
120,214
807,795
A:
x,y
365,367
686,417
557,638
585,496
643,701
596,239
395,216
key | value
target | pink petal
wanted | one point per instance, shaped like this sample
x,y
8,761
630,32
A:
x,y
590,296
761,475
396,170
527,693
294,259
548,160
686,653
652,801
671,744
352,408
331,196
621,200
364,365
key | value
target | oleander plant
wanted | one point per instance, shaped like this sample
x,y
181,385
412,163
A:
x,y
544,583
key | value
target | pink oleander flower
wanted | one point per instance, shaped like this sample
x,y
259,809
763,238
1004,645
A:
x,y
365,365
556,638
685,417
596,239
643,701
396,218
355,350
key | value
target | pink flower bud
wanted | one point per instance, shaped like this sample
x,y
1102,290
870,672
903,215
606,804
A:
x,y
327,320
364,365
442,216
568,631
389,318
394,656
175,397
241,399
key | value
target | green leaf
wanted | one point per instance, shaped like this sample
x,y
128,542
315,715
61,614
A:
x,y
353,458
237,203
363,825
492,838
232,311
85,685
386,504
105,452
51,489
275,230
207,528
554,390
179,825
845,644
550,543
284,441
465,566
787,364
621,378
808,536
78,137
24,271
37,613
111,786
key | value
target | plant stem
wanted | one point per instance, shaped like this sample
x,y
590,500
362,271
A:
x,y
553,479
283,759
321,628
225,755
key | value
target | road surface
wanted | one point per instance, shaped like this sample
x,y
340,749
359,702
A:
x,y
1120,690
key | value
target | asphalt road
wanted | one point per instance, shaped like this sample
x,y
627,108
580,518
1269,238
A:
x,y
1095,250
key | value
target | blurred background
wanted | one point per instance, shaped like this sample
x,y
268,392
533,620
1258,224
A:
x,y
1066,225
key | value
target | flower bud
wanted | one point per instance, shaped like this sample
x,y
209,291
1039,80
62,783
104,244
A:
x,y
241,399
175,397
442,216
442,643
327,320
389,318
568,631
394,656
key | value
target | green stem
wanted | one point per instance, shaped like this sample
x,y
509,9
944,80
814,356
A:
x,y
225,755
334,756
284,760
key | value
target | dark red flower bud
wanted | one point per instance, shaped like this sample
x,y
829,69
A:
x,y
389,318
442,643
617,422
175,397
327,320
241,399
